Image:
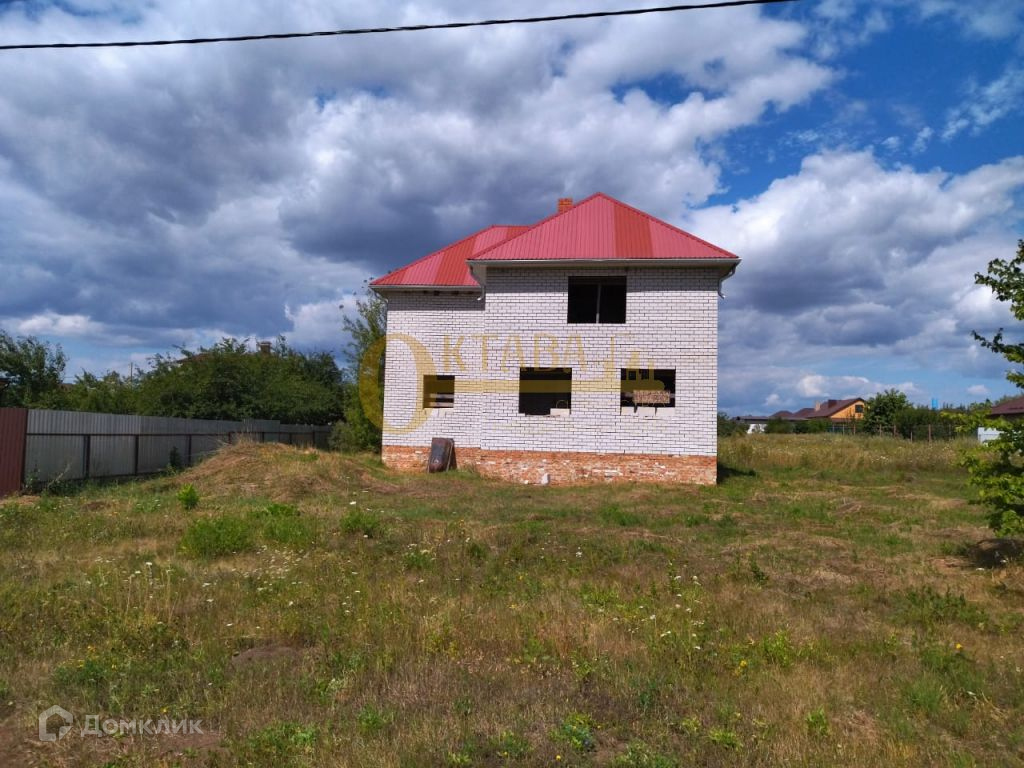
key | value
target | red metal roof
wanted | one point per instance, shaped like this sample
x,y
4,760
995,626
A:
x,y
601,227
597,228
447,267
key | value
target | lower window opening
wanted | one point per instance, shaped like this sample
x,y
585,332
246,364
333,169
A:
x,y
438,391
542,390
648,387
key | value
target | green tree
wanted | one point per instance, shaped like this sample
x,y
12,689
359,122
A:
x,y
728,427
228,381
812,426
1006,279
884,411
31,372
916,420
997,469
364,377
778,427
110,393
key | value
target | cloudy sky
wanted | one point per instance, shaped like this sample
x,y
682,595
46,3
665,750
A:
x,y
864,157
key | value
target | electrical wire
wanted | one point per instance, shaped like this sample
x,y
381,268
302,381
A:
x,y
384,30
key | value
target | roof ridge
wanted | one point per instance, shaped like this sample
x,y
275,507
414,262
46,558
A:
x,y
613,201
656,220
531,227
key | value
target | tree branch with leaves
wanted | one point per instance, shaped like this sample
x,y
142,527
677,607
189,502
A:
x,y
997,469
360,429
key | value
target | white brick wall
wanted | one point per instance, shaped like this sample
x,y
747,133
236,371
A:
x,y
671,322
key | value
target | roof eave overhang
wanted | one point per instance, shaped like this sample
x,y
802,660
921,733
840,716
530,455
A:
x,y
633,262
478,267
385,289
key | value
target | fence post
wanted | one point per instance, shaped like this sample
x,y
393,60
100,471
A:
x,y
86,455
188,459
13,444
135,470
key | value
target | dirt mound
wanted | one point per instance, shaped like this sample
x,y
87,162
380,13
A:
x,y
281,472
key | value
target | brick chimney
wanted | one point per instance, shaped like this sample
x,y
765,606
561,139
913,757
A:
x,y
564,204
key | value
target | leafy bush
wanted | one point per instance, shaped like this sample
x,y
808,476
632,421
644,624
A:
x,y
996,470
373,720
477,551
188,496
577,730
728,427
778,427
511,746
777,649
362,521
282,744
218,536
724,737
360,426
174,462
812,426
817,723
294,532
418,560
274,511
282,524
927,606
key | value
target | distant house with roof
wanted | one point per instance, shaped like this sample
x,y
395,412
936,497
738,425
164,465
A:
x,y
752,424
1009,409
850,409
583,347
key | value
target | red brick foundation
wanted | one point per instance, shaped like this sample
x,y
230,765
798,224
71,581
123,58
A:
x,y
563,468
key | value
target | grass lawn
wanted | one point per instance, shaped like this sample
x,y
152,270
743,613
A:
x,y
828,603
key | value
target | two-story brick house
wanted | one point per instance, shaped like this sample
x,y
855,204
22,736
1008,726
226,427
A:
x,y
584,347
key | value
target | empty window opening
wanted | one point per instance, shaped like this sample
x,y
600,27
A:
x,y
858,408
597,299
438,391
648,387
543,389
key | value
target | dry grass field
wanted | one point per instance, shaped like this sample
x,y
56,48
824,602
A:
x,y
832,602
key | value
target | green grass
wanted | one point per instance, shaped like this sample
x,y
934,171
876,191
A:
x,y
821,606
218,537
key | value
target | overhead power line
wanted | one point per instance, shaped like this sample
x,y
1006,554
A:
x,y
384,30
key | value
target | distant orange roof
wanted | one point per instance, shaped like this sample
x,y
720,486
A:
x,y
823,410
